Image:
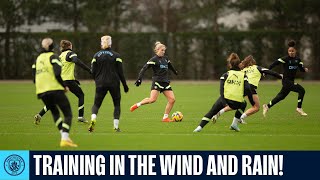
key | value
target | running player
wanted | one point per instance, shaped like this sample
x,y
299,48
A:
x,y
233,86
107,72
160,80
50,89
69,59
291,63
254,74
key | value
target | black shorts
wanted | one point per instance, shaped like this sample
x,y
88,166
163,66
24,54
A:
x,y
161,86
235,104
253,89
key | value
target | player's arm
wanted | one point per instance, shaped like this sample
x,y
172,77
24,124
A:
x,y
301,67
94,67
223,78
263,70
119,70
276,63
170,66
247,90
73,57
56,63
143,70
34,72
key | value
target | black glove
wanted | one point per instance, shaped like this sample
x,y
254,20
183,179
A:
x,y
126,88
138,82
176,73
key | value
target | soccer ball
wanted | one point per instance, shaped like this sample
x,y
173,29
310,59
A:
x,y
177,116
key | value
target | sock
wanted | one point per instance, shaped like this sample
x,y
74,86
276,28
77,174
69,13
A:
x,y
116,123
221,111
165,116
235,121
139,104
199,128
203,123
244,115
93,116
64,135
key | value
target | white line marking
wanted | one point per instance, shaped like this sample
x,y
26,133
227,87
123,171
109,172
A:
x,y
168,134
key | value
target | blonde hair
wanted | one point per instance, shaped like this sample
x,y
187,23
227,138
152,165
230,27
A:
x,y
157,46
65,44
106,42
47,43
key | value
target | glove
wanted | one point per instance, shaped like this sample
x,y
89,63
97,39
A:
x,y
126,88
138,82
176,73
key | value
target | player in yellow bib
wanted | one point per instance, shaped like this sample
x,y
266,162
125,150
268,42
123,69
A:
x,y
233,86
50,89
69,59
254,74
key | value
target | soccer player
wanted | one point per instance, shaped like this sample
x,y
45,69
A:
x,y
107,71
254,74
291,63
233,86
50,88
69,59
160,80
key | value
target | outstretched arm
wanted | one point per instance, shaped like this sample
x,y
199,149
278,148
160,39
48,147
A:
x,y
263,70
276,63
74,58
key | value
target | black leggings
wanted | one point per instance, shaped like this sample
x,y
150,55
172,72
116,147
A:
x,y
218,105
53,100
116,97
74,87
287,87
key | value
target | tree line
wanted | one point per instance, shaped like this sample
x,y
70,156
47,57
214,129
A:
x,y
195,36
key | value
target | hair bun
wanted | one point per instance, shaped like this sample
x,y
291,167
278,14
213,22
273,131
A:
x,y
156,43
291,43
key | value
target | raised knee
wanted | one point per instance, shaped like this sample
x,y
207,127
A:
x,y
172,100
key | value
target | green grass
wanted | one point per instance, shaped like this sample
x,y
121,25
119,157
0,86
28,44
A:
x,y
283,129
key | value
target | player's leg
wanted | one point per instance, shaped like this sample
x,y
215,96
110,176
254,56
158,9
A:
x,y
63,103
116,98
280,96
171,100
255,108
38,117
217,106
300,90
153,98
74,87
48,100
223,110
98,99
240,110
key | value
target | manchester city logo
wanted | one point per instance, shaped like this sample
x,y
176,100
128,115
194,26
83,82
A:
x,y
14,165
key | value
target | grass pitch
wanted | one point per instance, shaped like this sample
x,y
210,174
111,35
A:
x,y
283,129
